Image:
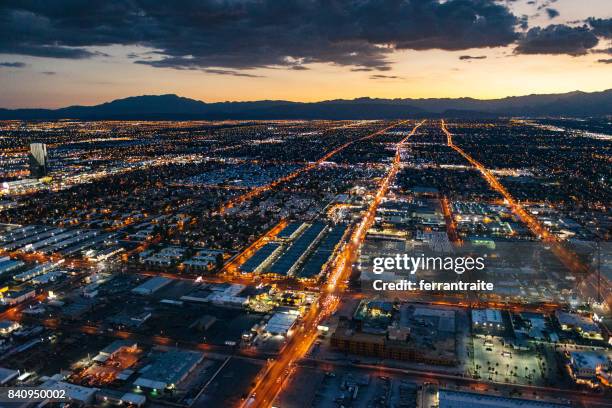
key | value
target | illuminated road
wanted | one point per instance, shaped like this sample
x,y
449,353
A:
x,y
232,265
451,225
588,286
270,383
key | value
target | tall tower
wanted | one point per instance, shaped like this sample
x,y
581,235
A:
x,y
38,160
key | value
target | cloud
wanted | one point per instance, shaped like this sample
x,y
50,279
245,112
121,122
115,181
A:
x,y
472,57
366,69
552,13
523,22
228,37
13,64
246,34
545,4
230,72
557,39
380,76
48,73
601,27
605,61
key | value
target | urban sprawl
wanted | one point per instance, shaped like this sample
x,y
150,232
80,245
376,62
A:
x,y
231,263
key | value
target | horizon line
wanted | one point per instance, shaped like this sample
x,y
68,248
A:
x,y
307,102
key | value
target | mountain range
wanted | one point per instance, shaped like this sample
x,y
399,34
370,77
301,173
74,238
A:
x,y
173,107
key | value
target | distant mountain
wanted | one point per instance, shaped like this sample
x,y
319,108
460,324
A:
x,y
173,107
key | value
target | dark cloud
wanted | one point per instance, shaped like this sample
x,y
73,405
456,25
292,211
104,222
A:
x,y
230,72
602,51
552,13
601,26
48,73
366,69
216,71
380,76
472,57
557,39
227,37
605,61
13,64
246,34
48,51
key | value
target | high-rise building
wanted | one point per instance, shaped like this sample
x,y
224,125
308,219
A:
x,y
38,160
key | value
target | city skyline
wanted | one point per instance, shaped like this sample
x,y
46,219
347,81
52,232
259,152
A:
x,y
237,51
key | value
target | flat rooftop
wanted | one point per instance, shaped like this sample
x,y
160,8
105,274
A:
x,y
458,399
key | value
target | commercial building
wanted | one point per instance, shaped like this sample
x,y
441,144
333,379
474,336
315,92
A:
x,y
114,349
119,398
7,374
16,296
38,160
223,295
281,323
8,265
168,369
228,296
78,393
20,186
287,263
314,265
261,258
8,326
37,271
291,231
152,285
584,325
349,340
459,399
487,321
586,366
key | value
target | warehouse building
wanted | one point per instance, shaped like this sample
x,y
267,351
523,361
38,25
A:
x,y
287,263
281,323
261,258
168,369
459,399
151,286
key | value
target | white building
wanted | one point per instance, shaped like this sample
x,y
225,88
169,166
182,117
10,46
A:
x,y
489,321
152,285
